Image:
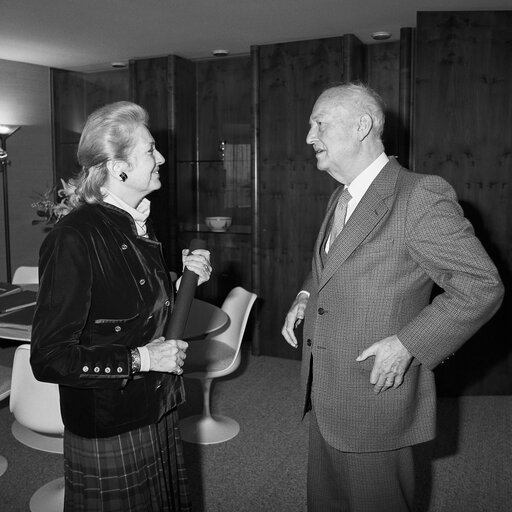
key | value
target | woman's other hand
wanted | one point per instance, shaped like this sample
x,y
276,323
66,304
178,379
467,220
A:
x,y
198,262
167,355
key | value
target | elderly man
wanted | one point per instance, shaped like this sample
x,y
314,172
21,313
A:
x,y
372,334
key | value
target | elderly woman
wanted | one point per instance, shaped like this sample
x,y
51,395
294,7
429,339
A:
x,y
99,328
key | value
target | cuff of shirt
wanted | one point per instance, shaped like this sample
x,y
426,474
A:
x,y
145,361
304,291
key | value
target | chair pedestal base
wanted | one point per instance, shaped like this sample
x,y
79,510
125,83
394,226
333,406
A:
x,y
49,498
208,429
3,465
44,442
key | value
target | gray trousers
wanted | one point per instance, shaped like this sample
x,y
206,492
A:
x,y
357,482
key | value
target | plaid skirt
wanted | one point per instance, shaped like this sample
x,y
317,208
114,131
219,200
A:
x,y
138,471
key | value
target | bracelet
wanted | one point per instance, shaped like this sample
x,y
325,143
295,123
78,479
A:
x,y
135,356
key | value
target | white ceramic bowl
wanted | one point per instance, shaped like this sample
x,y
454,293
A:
x,y
218,224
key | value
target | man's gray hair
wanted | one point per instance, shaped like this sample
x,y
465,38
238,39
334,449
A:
x,y
360,99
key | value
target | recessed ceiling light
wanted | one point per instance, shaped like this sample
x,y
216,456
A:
x,y
220,53
381,35
118,65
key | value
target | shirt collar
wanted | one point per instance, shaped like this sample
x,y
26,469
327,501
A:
x,y
139,214
362,182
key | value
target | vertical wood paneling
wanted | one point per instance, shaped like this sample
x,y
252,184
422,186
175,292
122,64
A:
x,y
354,55
75,96
255,180
181,135
405,95
149,88
293,194
463,115
68,91
383,61
105,87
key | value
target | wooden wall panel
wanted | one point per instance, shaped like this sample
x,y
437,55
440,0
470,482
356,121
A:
x,y
105,87
182,142
293,194
149,87
463,115
68,103
383,72
75,96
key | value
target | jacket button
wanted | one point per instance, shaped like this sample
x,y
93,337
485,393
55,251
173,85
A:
x,y
117,328
96,369
85,369
167,303
142,282
107,369
308,342
124,247
321,311
119,369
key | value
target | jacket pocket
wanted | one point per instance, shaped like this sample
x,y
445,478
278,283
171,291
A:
x,y
115,330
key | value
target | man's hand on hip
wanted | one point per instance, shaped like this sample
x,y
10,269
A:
x,y
392,360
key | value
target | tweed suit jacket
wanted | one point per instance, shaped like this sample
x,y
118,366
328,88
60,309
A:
x,y
407,233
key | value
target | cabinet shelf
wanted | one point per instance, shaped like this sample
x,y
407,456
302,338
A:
x,y
201,161
233,230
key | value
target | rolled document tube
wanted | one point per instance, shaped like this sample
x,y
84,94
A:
x,y
184,298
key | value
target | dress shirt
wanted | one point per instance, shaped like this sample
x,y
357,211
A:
x,y
357,190
360,185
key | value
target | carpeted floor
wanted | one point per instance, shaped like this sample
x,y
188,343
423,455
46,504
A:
x,y
263,468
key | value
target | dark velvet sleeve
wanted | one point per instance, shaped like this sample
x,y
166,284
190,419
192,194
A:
x,y
63,306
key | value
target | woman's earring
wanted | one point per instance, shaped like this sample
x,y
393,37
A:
x,y
123,176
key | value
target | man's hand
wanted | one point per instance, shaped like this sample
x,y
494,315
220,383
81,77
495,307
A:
x,y
392,360
294,318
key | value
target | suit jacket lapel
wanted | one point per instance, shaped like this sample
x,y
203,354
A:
x,y
324,229
371,209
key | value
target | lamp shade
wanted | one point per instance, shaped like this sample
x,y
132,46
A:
x,y
6,130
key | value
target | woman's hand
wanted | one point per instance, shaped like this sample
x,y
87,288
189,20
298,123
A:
x,y
167,355
198,262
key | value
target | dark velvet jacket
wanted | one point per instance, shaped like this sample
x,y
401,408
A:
x,y
103,290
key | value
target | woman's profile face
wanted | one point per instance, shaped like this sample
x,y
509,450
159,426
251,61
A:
x,y
145,160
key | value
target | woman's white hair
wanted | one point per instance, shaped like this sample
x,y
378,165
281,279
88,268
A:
x,y
107,136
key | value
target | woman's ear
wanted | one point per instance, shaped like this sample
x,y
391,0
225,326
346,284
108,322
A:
x,y
116,170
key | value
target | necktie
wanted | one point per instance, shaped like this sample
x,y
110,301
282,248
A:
x,y
340,214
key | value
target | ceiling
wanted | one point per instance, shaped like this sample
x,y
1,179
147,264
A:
x,y
88,35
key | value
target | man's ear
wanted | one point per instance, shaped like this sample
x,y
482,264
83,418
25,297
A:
x,y
365,126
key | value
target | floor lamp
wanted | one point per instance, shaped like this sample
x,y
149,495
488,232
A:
x,y
5,132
